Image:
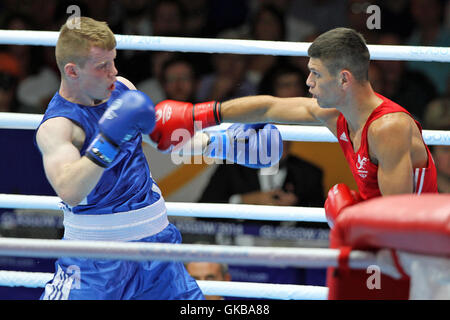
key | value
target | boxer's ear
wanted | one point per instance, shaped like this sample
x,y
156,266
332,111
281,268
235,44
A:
x,y
71,70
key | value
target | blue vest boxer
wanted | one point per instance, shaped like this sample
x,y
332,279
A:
x,y
125,205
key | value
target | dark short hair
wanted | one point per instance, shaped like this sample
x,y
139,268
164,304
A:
x,y
267,85
178,58
342,48
276,14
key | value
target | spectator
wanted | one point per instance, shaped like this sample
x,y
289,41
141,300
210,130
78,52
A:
x,y
135,20
441,156
395,17
179,79
167,18
267,24
24,54
302,61
297,29
207,271
437,117
228,77
323,15
196,18
295,183
9,73
152,86
284,80
47,13
36,90
447,16
409,88
357,19
225,15
430,31
376,77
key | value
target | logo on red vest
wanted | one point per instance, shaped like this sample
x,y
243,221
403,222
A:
x,y
343,137
361,166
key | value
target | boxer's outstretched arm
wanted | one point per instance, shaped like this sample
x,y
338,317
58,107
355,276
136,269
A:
x,y
173,115
72,177
264,108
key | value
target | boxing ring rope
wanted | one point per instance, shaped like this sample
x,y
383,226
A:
x,y
186,209
220,288
143,251
207,45
11,120
138,251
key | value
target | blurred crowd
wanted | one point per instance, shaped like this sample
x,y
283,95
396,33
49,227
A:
x,y
29,76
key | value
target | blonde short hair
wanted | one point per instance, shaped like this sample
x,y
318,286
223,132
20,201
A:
x,y
76,40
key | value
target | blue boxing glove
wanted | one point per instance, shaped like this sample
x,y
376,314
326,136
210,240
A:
x,y
250,145
131,113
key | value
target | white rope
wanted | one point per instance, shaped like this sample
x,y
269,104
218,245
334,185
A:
x,y
187,209
11,120
207,45
141,251
263,290
213,288
24,279
245,211
15,120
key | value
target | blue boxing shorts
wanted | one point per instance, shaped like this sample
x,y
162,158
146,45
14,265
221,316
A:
x,y
88,279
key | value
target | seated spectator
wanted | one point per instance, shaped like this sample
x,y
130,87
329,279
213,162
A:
x,y
284,80
411,89
297,29
295,183
35,91
267,24
430,31
437,117
208,271
376,77
196,18
152,86
323,15
228,79
179,79
441,156
9,73
168,18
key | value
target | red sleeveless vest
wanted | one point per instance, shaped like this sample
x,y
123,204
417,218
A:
x,y
364,171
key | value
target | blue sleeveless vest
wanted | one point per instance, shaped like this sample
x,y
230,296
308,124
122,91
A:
x,y
127,183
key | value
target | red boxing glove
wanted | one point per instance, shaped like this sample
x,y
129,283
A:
x,y
172,115
339,197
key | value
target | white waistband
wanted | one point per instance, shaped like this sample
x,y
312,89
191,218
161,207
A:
x,y
121,226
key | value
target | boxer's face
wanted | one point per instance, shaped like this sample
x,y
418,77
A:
x,y
179,81
322,85
98,74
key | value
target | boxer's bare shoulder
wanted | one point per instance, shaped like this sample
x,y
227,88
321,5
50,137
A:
x,y
397,131
58,130
126,82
